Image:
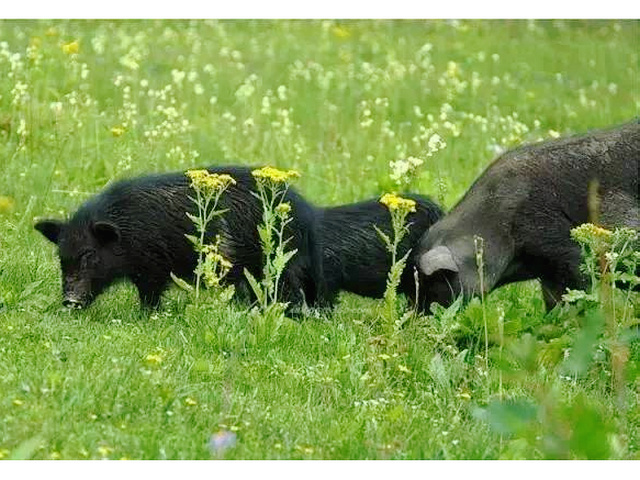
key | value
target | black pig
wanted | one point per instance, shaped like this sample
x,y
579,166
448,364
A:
x,y
356,259
136,229
524,205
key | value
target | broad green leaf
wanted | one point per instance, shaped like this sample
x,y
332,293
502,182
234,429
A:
x,y
509,417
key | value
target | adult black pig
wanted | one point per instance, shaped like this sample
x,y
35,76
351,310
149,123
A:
x,y
356,259
136,229
524,205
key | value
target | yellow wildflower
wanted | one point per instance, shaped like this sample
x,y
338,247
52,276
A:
x,y
275,174
6,204
117,131
190,402
204,180
395,202
71,48
220,260
341,32
404,368
213,253
17,402
105,451
3,453
154,358
55,456
215,266
283,209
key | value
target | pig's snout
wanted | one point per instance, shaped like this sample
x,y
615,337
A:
x,y
73,303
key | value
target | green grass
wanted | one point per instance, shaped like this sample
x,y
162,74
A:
x,y
343,99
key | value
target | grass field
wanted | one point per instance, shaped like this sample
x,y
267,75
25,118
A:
x,y
85,102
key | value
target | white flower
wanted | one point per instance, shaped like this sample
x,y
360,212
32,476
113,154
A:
x,y
266,105
434,144
56,107
426,48
401,170
553,134
177,76
245,91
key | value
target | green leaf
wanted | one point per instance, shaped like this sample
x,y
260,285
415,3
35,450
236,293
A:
x,y
195,219
584,346
193,239
589,432
28,448
255,286
632,280
573,296
385,238
266,239
181,283
509,417
438,371
29,289
280,261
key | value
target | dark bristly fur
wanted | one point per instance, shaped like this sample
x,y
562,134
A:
x,y
356,259
136,229
524,206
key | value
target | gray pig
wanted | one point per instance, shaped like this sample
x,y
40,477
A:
x,y
524,205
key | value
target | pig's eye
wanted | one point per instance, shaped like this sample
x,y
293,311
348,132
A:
x,y
87,258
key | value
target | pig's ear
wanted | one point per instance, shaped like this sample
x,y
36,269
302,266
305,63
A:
x,y
50,229
106,232
438,258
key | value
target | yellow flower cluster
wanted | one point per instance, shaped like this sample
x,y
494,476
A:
x,y
154,358
588,231
215,266
212,254
6,204
206,181
105,450
394,202
341,32
275,174
117,131
71,48
283,209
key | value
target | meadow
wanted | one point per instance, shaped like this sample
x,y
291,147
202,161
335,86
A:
x,y
83,103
